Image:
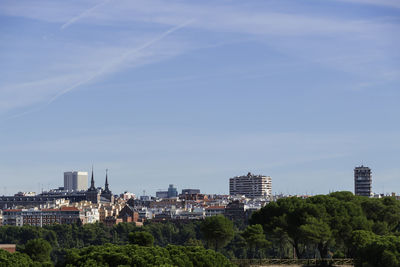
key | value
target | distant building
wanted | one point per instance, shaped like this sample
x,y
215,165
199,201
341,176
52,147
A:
x,y
36,217
25,194
144,198
128,214
8,247
214,210
106,194
362,181
252,186
127,195
190,191
93,194
75,181
193,197
236,211
172,191
162,194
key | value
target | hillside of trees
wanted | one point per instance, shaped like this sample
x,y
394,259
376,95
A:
x,y
338,225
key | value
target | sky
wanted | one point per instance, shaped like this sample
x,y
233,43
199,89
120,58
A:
x,y
192,93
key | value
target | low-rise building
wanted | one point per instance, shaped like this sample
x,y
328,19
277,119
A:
x,y
190,191
37,217
236,210
215,210
8,247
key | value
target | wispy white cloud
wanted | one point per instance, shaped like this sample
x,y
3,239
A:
x,y
384,3
84,14
303,35
218,17
115,63
49,89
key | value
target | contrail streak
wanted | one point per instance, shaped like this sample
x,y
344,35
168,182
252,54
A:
x,y
108,68
82,15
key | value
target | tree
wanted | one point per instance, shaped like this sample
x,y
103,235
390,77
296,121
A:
x,y
134,255
374,250
141,238
255,240
287,214
38,249
16,259
317,232
217,231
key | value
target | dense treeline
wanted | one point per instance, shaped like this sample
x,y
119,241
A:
x,y
77,236
134,255
335,225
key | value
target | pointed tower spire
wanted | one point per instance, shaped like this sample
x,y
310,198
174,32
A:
x,y
106,184
92,187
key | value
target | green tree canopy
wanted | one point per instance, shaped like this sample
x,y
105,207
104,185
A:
x,y
141,238
217,231
255,240
38,249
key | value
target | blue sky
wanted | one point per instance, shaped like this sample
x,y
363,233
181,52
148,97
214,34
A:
x,y
195,92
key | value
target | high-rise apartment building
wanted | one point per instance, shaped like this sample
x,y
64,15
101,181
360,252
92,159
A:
x,y
75,181
251,186
362,181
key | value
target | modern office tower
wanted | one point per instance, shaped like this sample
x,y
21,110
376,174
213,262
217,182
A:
x,y
251,186
362,181
172,191
75,181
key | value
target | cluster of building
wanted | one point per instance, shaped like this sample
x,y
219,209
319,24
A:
x,y
77,203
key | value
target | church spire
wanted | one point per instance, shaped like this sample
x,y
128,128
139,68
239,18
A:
x,y
92,187
106,184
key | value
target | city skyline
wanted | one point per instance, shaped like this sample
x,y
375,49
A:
x,y
193,94
92,182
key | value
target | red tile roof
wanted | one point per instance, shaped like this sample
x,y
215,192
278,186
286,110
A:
x,y
13,210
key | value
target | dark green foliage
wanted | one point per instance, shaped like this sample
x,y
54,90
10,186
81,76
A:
x,y
255,241
16,259
38,249
374,250
141,239
134,255
326,224
217,231
335,225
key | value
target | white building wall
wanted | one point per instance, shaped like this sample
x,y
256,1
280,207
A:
x,y
82,181
75,181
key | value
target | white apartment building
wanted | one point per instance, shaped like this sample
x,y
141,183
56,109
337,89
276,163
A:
x,y
251,186
75,181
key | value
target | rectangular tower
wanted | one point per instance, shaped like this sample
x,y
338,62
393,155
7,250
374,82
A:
x,y
251,186
75,181
362,181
